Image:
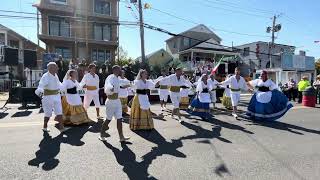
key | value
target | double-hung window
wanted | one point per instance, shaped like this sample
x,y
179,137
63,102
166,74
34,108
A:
x,y
102,7
102,32
59,27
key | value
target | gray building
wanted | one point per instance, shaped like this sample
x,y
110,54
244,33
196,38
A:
x,y
255,55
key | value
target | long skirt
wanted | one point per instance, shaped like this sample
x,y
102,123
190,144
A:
x,y
124,104
140,119
198,108
270,111
226,102
184,103
74,115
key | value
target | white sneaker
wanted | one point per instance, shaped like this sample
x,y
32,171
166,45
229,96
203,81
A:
x,y
235,115
103,139
64,129
45,129
181,121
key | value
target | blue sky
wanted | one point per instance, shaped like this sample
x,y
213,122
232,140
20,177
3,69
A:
x,y
299,19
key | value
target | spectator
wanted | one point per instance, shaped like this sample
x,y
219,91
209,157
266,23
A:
x,y
316,85
302,85
292,89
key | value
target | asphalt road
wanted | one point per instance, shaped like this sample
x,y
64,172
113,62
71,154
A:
x,y
221,148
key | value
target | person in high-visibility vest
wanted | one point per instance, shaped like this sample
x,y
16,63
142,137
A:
x,y
302,85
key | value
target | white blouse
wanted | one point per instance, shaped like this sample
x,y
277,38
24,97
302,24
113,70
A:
x,y
72,99
203,97
112,83
143,99
235,84
123,92
263,97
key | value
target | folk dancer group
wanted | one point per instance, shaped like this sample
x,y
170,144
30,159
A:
x,y
267,103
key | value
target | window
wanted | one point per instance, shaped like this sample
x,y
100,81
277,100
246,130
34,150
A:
x,y
185,41
59,27
102,7
246,51
64,52
100,55
175,44
102,32
59,1
2,39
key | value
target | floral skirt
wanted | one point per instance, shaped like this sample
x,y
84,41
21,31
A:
x,y
184,103
226,102
124,104
140,119
74,115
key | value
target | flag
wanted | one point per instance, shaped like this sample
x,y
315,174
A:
x,y
214,70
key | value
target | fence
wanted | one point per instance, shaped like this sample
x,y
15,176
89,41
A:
x,y
6,84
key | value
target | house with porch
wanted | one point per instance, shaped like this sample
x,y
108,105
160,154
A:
x,y
201,46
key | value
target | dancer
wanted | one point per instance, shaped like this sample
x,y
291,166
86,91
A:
x,y
113,104
140,116
200,105
49,89
213,84
90,82
73,111
268,103
123,92
176,81
226,98
236,84
163,90
184,92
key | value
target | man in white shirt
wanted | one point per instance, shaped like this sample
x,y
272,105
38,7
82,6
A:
x,y
176,81
113,104
49,90
236,84
123,92
90,82
163,91
213,84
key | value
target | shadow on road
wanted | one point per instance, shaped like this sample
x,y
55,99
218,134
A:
x,y
283,126
22,114
3,115
49,147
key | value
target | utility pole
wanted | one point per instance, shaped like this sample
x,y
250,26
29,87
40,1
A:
x,y
275,28
143,56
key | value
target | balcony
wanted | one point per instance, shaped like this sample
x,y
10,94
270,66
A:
x,y
46,38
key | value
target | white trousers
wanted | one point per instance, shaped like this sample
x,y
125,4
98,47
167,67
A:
x,y
51,103
163,94
88,97
235,98
213,96
175,99
113,109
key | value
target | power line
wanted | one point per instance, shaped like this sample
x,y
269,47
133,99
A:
x,y
196,23
199,40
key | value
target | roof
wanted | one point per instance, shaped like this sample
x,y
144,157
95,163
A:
x,y
2,27
199,28
153,53
263,42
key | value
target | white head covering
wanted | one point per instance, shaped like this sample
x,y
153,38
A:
x,y
51,63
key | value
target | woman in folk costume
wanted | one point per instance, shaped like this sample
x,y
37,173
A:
x,y
200,105
163,90
123,92
90,82
268,103
49,90
226,98
73,111
140,116
184,92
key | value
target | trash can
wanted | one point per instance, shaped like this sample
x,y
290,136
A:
x,y
309,97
